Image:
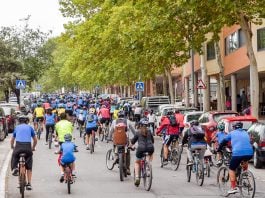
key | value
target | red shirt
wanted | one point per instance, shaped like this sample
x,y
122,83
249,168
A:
x,y
104,112
180,119
165,123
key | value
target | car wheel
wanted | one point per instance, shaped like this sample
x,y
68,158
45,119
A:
x,y
256,162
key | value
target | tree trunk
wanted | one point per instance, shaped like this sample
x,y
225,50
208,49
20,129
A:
x,y
154,86
206,98
254,75
17,93
221,79
170,83
165,84
6,92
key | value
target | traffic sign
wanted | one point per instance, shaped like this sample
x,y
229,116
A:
x,y
20,84
200,85
139,86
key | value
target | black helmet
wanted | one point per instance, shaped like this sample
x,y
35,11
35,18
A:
x,y
23,118
238,125
68,137
144,122
170,112
194,123
121,113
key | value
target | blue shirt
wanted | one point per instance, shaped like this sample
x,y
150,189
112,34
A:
x,y
220,136
50,119
240,142
92,124
68,152
23,133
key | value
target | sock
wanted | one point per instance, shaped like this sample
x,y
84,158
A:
x,y
233,184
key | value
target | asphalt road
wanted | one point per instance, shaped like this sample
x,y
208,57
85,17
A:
x,y
95,180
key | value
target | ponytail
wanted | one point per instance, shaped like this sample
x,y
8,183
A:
x,y
144,131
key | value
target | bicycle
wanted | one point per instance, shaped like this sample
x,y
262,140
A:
x,y
22,174
196,168
104,132
174,154
207,166
50,136
68,177
145,172
92,142
244,177
39,129
81,130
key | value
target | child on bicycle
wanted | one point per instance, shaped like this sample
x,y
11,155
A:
x,y
145,144
67,155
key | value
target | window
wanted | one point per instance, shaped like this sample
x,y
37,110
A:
x,y
231,43
242,38
261,39
210,51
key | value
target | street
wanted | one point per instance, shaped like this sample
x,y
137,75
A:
x,y
94,180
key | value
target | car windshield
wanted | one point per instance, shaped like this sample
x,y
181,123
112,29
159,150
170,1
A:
x,y
246,125
193,117
218,117
167,110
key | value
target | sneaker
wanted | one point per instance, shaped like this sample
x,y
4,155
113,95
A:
x,y
28,186
62,178
190,163
128,172
15,172
137,181
233,191
219,163
165,162
87,148
46,143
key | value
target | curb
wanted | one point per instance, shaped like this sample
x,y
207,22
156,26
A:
x,y
3,174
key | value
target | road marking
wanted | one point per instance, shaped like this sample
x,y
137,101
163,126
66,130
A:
x,y
3,175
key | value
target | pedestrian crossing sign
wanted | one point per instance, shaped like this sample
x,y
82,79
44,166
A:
x,y
200,85
139,86
20,84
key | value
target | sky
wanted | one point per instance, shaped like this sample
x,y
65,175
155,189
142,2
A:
x,y
45,14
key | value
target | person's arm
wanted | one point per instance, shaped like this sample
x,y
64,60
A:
x,y
131,128
33,135
112,129
134,139
224,142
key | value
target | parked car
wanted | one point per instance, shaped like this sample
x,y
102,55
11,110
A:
x,y
3,128
10,115
190,116
209,120
154,102
257,134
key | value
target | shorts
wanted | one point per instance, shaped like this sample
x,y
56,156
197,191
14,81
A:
x,y
81,122
37,119
105,120
69,112
140,154
236,160
89,130
22,148
169,138
66,163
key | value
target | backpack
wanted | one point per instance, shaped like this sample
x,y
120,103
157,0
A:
x,y
119,135
173,121
197,132
90,117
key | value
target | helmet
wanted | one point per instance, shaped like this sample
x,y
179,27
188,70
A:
x,y
238,125
221,126
38,104
81,111
144,122
194,123
23,118
68,137
170,112
121,113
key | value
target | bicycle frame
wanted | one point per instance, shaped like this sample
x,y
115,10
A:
x,y
22,174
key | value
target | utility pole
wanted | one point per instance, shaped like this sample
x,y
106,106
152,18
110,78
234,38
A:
x,y
192,78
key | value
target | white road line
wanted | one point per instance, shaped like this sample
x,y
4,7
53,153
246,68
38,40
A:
x,y
3,175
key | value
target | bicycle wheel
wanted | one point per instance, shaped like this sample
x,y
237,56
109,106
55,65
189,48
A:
x,y
92,143
102,134
148,177
80,131
199,173
22,183
162,156
69,185
208,169
50,139
223,180
188,168
84,138
174,159
121,166
247,184
110,158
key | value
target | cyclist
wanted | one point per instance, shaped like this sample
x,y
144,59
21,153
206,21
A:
x,y
122,120
60,110
91,125
104,113
242,151
62,128
194,136
151,119
49,122
145,140
217,138
67,155
170,125
38,114
23,134
180,118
